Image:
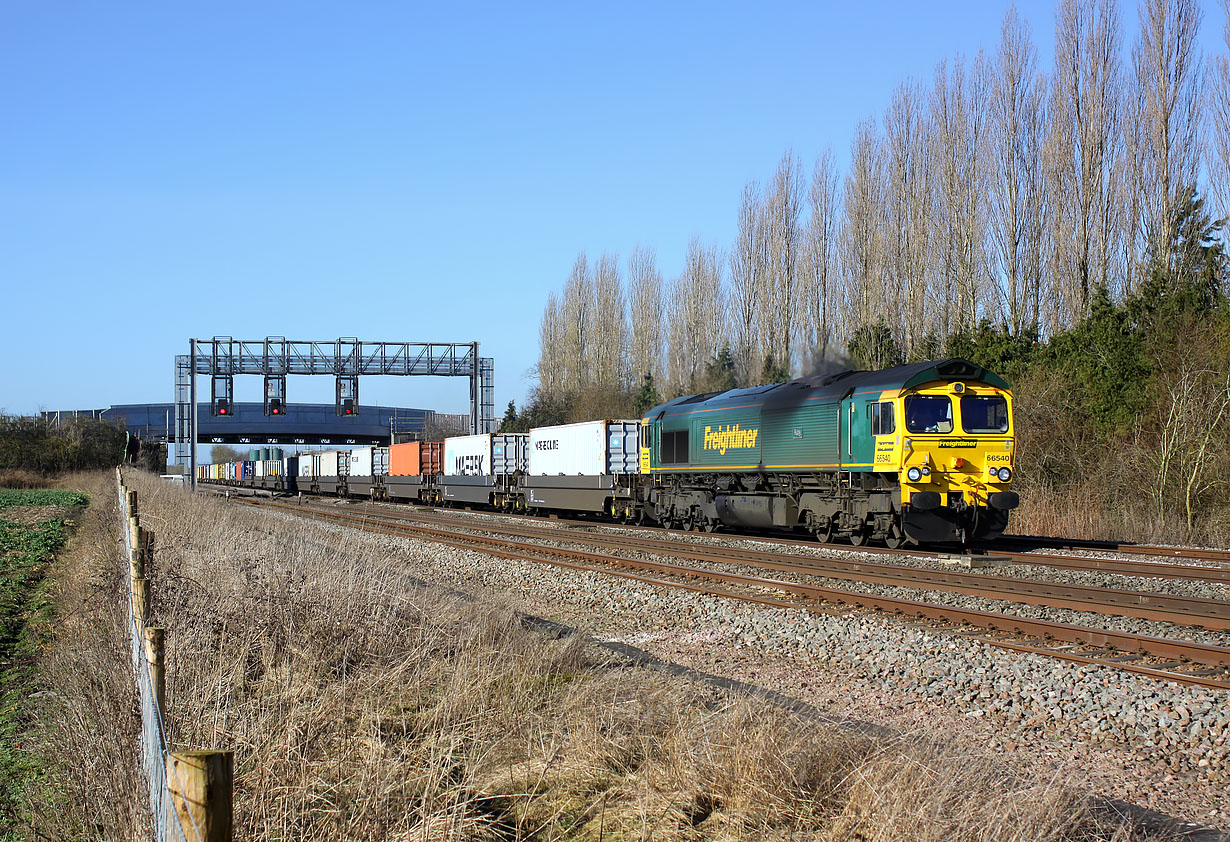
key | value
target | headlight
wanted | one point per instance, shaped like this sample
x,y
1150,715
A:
x,y
914,474
926,471
1004,474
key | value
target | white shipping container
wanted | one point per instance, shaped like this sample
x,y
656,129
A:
x,y
484,455
328,464
589,448
467,456
260,467
306,463
360,462
273,467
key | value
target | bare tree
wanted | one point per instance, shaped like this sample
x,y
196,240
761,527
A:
x,y
697,319
608,342
577,314
782,241
551,350
862,241
647,314
1168,73
818,276
907,236
959,124
1018,183
1083,149
1217,151
748,278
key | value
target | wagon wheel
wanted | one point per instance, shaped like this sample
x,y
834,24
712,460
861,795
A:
x,y
894,538
859,537
824,531
710,525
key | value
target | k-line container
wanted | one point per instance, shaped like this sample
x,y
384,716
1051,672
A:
x,y
485,455
415,458
589,448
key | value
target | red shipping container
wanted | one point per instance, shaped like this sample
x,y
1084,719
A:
x,y
416,458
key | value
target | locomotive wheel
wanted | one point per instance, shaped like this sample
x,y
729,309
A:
x,y
710,525
894,538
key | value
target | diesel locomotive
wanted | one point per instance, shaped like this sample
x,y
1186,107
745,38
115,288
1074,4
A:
x,y
920,453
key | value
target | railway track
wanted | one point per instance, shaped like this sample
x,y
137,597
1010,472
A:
x,y
1126,547
1188,611
1218,574
1175,660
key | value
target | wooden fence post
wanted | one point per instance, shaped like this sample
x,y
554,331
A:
x,y
155,656
140,601
131,496
136,557
202,788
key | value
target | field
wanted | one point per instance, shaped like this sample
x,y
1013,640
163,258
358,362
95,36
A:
x,y
32,528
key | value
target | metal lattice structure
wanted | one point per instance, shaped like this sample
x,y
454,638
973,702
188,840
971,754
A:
x,y
346,359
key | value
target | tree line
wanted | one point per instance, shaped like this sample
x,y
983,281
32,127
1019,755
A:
x,y
993,193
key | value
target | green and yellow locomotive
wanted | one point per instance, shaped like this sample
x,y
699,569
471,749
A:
x,y
920,453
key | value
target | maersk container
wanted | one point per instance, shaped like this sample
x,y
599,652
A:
x,y
359,462
485,455
415,458
589,448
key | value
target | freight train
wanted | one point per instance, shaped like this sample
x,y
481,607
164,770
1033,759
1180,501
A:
x,y
916,454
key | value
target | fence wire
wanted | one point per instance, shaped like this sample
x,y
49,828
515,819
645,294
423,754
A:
x,y
154,748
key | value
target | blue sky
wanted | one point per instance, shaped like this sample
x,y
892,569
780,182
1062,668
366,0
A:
x,y
394,171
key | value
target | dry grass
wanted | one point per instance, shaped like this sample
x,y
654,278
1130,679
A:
x,y
85,730
363,705
21,478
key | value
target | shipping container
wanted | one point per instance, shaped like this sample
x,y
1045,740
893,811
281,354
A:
x,y
485,455
380,461
249,470
328,463
309,464
590,448
415,458
359,462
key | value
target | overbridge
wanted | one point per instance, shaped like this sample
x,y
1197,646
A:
x,y
304,424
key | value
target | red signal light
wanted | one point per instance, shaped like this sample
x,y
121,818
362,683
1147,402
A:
x,y
276,411
222,410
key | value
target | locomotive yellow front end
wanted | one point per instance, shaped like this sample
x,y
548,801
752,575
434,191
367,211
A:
x,y
955,454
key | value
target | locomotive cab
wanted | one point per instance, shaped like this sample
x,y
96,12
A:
x,y
952,452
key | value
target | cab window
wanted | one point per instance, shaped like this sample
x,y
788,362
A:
x,y
883,420
984,414
674,448
928,414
